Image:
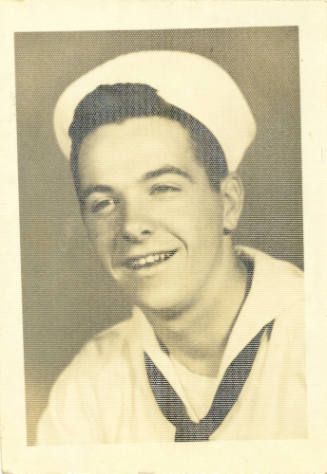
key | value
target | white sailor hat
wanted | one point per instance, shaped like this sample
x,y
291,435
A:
x,y
188,81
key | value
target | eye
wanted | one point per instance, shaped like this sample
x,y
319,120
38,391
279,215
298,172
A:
x,y
106,205
164,188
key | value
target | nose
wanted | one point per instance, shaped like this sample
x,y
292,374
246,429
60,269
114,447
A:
x,y
135,226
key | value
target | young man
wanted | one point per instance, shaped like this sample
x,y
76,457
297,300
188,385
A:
x,y
215,346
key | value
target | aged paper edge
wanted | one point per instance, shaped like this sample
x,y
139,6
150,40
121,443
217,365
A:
x,y
232,456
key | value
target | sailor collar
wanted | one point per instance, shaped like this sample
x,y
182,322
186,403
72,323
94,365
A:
x,y
268,296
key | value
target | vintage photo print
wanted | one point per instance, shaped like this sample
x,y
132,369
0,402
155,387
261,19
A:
x,y
161,238
68,299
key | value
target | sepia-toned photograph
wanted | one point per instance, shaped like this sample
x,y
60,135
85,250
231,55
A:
x,y
163,306
161,235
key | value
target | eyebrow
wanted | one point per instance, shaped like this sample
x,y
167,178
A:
x,y
167,170
99,188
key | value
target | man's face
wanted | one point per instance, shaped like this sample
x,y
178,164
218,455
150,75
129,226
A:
x,y
150,212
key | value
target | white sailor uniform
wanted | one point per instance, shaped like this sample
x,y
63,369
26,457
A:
x,y
106,394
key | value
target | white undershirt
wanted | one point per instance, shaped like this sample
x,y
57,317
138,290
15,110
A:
x,y
198,390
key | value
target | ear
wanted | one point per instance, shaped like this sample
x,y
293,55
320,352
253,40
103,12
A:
x,y
232,192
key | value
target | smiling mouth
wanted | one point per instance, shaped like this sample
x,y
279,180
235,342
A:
x,y
149,260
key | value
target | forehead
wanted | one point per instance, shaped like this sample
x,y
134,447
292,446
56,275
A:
x,y
129,149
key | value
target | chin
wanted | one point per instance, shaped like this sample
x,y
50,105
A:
x,y
165,304
164,295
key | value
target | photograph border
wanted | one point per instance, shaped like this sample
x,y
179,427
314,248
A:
x,y
253,456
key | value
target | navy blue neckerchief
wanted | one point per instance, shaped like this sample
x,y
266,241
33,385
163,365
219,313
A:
x,y
226,395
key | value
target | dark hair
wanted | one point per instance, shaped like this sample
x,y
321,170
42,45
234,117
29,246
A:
x,y
119,102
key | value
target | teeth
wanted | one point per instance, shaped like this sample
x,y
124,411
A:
x,y
150,259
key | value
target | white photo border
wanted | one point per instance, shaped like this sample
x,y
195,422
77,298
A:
x,y
223,456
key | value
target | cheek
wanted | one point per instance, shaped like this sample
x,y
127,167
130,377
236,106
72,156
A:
x,y
207,227
100,233
204,212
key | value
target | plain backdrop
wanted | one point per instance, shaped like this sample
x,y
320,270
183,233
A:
x,y
66,296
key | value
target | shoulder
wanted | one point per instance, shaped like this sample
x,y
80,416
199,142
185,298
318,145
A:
x,y
112,339
279,293
103,360
88,383
280,281
101,351
282,284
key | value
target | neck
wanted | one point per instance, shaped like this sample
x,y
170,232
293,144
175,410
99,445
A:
x,y
197,335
